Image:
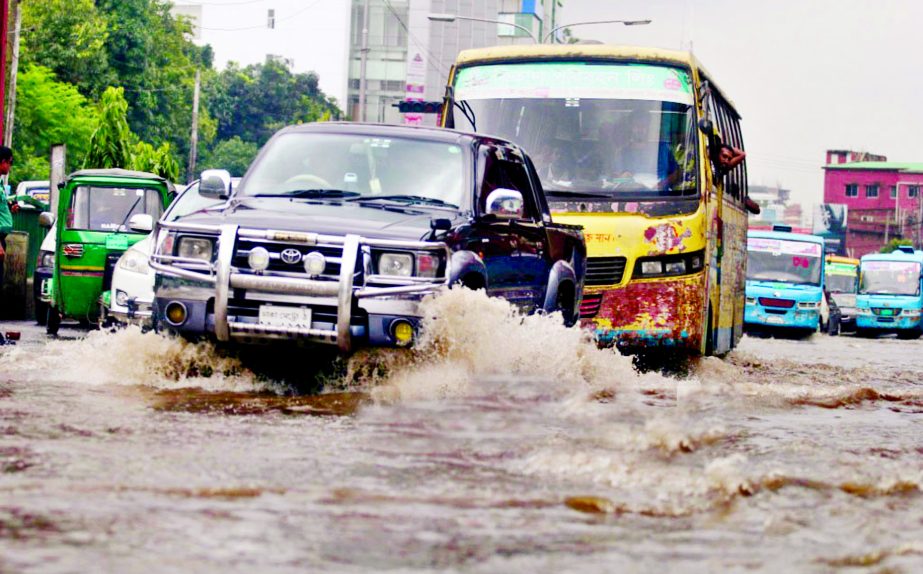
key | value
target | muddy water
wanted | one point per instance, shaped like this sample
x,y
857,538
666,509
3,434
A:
x,y
504,444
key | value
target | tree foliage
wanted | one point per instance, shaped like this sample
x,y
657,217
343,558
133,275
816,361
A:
x,y
160,161
111,143
254,102
893,244
234,155
49,112
68,37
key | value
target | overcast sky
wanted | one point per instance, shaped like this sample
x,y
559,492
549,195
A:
x,y
806,75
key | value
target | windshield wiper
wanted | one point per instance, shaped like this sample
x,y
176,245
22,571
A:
x,y
405,198
314,194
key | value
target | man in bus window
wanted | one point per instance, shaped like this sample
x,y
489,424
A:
x,y
729,157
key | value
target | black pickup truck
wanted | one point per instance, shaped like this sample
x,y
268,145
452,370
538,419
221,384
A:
x,y
338,230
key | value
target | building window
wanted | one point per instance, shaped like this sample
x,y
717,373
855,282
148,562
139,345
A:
x,y
871,191
271,19
913,191
893,192
852,190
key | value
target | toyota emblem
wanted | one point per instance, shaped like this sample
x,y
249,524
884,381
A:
x,y
291,256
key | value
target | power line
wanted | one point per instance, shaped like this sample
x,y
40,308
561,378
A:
x,y
430,60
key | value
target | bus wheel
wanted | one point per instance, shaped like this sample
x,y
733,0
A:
x,y
53,322
709,335
910,333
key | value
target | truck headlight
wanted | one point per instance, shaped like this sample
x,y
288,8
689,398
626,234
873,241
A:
x,y
195,248
134,261
395,264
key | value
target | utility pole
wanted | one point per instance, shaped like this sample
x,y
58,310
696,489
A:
x,y
14,69
194,138
363,59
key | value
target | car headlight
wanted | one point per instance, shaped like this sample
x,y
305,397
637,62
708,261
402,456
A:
x,y
395,264
134,261
195,248
47,259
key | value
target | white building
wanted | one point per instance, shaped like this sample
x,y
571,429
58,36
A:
x,y
408,55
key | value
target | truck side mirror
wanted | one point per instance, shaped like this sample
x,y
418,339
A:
x,y
46,219
141,223
504,203
215,184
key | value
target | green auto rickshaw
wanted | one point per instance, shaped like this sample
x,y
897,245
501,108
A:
x,y
100,214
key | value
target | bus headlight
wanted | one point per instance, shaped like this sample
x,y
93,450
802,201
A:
x,y
864,311
911,312
669,265
809,305
751,300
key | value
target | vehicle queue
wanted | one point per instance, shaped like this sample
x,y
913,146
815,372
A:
x,y
627,218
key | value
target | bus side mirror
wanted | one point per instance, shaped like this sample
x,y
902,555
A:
x,y
706,127
46,219
215,184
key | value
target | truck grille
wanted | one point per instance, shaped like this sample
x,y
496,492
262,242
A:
x,y
277,265
605,270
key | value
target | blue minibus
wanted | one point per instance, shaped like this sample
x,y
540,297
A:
x,y
890,295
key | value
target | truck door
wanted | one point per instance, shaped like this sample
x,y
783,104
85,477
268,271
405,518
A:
x,y
514,250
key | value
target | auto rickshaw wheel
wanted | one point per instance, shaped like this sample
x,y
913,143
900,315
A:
x,y
53,321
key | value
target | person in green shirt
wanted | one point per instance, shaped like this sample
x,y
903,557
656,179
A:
x,y
6,217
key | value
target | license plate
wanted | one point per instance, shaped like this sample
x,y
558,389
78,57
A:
x,y
119,242
775,320
275,316
887,312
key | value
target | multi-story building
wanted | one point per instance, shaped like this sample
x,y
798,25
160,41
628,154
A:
x,y
407,55
882,198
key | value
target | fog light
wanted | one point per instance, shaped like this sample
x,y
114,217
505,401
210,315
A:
x,y
176,313
121,298
258,259
315,263
402,331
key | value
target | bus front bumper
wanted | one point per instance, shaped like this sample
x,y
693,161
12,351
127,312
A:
x,y
648,314
794,318
868,320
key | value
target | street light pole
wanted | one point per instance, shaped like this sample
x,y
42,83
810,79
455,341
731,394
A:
x,y
623,22
453,17
363,60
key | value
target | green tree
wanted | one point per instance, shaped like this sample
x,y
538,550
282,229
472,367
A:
x,y
159,161
111,143
49,112
68,37
894,244
253,102
234,155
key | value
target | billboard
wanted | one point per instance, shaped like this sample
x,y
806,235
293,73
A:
x,y
830,223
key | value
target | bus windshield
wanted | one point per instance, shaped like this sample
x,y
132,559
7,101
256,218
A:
x,y
594,130
841,283
785,261
890,278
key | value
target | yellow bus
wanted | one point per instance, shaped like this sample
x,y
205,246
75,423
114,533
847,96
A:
x,y
627,143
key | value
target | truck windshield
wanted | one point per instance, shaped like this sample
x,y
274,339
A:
x,y
797,262
108,208
841,283
890,278
607,130
338,166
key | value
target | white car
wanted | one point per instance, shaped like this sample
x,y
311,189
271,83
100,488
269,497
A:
x,y
131,295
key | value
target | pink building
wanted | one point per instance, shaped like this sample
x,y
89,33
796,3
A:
x,y
882,198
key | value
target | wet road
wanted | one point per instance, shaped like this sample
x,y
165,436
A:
x,y
504,445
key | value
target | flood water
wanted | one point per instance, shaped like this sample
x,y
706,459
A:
x,y
502,445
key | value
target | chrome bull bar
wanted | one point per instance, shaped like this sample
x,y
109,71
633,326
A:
x,y
225,277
